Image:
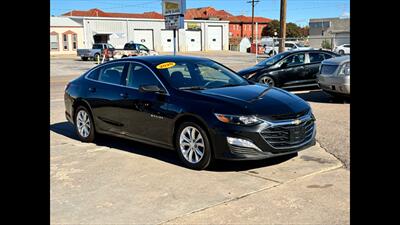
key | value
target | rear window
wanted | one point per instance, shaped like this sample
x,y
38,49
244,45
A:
x,y
316,57
97,46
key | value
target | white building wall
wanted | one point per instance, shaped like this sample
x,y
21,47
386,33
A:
x,y
125,30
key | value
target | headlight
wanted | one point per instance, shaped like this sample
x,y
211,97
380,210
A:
x,y
345,70
248,76
238,120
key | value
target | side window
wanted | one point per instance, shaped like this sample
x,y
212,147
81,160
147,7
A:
x,y
288,45
327,56
316,57
142,47
296,59
111,73
139,75
94,74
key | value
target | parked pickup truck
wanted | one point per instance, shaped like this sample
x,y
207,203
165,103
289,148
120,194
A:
x,y
132,49
95,52
289,45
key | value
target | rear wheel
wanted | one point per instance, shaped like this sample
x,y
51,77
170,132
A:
x,y
341,52
84,125
193,146
267,80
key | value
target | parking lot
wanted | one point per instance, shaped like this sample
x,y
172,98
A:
x,y
116,181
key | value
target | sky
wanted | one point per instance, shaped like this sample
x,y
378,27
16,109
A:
x,y
298,11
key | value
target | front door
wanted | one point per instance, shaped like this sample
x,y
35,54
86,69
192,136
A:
x,y
146,115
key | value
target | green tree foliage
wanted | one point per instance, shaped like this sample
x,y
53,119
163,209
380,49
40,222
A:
x,y
326,44
292,29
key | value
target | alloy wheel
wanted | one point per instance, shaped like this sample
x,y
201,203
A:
x,y
83,123
267,80
192,144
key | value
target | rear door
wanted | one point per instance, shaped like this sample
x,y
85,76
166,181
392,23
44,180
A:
x,y
313,63
103,94
295,71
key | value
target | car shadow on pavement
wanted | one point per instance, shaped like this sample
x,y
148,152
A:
x,y
321,97
67,129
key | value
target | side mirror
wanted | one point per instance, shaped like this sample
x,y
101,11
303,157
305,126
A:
x,y
284,65
151,89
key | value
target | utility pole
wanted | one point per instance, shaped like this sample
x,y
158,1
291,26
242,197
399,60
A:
x,y
252,17
282,33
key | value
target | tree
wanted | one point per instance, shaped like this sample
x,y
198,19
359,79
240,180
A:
x,y
272,26
292,29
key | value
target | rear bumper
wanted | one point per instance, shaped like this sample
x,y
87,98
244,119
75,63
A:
x,y
335,84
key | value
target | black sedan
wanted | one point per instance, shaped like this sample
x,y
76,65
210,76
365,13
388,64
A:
x,y
195,106
288,69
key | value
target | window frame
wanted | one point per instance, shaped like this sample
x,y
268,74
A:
x,y
74,41
292,55
63,42
58,41
125,78
124,75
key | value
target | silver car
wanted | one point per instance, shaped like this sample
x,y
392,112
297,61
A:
x,y
334,76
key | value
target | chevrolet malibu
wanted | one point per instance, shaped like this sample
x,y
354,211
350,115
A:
x,y
195,106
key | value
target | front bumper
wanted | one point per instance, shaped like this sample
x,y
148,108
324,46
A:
x,y
254,134
335,84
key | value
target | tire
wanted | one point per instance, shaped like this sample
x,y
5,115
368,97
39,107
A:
x,y
97,55
185,142
84,58
267,80
341,52
272,53
88,134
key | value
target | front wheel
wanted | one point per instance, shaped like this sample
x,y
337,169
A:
x,y
341,52
193,146
267,80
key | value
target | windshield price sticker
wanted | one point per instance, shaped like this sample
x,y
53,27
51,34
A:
x,y
165,65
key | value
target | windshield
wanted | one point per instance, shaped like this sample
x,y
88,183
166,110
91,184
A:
x,y
199,75
271,60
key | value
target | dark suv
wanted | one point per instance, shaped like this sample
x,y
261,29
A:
x,y
288,69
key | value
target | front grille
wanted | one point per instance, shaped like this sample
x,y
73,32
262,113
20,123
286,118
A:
x,y
290,115
286,136
244,152
328,69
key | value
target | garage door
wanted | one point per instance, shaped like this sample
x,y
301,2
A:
x,y
342,38
144,37
167,41
214,38
193,40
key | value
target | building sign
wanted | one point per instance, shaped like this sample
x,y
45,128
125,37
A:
x,y
173,7
174,22
193,26
174,12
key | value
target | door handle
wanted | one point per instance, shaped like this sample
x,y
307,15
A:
x,y
124,95
92,89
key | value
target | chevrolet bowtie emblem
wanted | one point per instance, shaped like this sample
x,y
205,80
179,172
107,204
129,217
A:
x,y
296,122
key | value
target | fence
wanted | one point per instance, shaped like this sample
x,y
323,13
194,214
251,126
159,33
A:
x,y
269,46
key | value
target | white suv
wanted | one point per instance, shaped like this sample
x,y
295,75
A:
x,y
289,45
342,49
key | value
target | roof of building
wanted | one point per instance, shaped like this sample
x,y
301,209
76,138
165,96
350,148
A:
x,y
203,13
100,13
63,22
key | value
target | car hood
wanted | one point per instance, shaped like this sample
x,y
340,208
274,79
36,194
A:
x,y
273,102
250,70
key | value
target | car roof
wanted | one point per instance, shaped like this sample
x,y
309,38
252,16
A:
x,y
155,60
338,60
